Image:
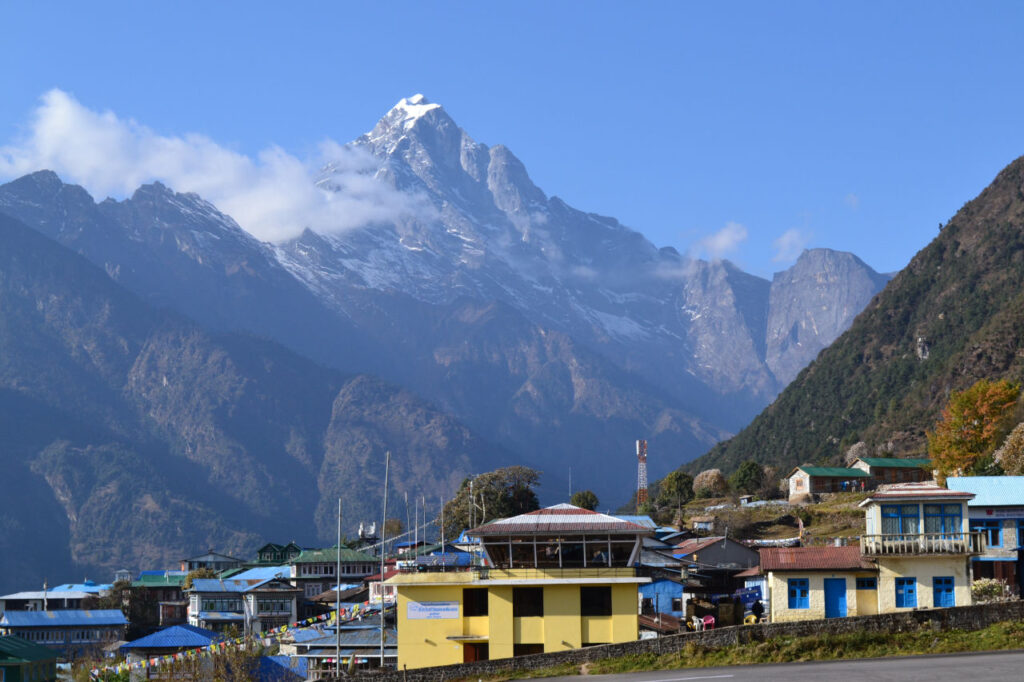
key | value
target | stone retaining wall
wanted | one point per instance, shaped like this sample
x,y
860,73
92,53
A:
x,y
959,618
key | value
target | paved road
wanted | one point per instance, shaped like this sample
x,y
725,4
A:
x,y
1002,666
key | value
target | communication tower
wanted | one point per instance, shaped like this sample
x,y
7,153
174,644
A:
x,y
641,476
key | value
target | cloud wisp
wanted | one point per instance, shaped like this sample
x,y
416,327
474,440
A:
x,y
724,242
272,196
789,246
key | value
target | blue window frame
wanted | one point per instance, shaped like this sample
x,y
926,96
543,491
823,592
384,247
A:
x,y
946,519
906,593
900,519
867,583
942,592
991,530
799,593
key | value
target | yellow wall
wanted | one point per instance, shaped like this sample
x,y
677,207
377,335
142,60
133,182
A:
x,y
923,569
779,589
424,642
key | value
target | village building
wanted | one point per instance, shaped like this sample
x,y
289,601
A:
x,y
808,583
70,632
558,578
171,640
212,560
250,605
276,555
165,589
315,570
997,513
807,481
885,470
43,600
25,661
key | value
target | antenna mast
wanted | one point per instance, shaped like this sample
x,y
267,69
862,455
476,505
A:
x,y
641,475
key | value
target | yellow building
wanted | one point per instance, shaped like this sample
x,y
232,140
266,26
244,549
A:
x,y
914,555
558,578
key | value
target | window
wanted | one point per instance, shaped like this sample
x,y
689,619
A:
x,y
943,518
942,592
906,593
595,601
867,583
527,649
527,601
900,519
799,593
677,603
992,531
474,602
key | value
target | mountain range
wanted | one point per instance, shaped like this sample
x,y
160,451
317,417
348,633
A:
x,y
173,383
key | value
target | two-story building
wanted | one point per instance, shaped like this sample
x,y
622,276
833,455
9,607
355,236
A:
x,y
315,570
70,633
997,512
272,554
250,605
212,560
558,578
806,481
914,554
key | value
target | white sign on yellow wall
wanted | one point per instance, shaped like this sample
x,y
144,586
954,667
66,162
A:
x,y
432,610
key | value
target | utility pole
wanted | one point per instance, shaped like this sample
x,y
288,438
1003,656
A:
x,y
337,602
383,552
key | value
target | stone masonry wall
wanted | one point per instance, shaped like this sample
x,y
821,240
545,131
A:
x,y
968,618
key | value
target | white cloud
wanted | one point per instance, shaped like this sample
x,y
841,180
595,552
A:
x,y
789,246
273,196
720,244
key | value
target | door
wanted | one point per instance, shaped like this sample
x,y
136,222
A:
x,y
835,597
942,592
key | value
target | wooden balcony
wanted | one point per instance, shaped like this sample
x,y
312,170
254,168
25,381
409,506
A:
x,y
922,544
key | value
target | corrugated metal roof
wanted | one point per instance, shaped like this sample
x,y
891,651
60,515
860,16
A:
x,y
924,490
639,519
67,594
897,462
832,472
232,585
64,618
263,573
812,559
990,491
687,547
330,555
176,636
14,647
561,518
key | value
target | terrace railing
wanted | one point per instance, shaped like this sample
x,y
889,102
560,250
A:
x,y
922,544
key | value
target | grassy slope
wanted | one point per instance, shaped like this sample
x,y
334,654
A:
x,y
996,637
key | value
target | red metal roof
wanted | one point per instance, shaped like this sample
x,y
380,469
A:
x,y
691,545
813,559
561,518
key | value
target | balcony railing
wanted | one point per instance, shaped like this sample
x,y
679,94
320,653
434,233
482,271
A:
x,y
922,544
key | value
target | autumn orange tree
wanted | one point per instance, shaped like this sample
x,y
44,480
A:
x,y
973,423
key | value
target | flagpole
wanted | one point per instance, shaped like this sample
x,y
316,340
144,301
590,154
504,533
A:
x,y
337,602
383,552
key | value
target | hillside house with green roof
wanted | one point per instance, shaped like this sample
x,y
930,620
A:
x,y
895,469
806,481
22,660
315,570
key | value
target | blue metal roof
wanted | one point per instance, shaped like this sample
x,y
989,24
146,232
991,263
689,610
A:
x,y
639,519
64,618
87,586
281,669
990,491
263,573
230,584
176,636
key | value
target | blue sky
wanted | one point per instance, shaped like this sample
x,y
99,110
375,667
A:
x,y
854,126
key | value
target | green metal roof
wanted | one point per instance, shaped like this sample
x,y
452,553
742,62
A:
x,y
12,646
159,581
330,555
897,462
834,472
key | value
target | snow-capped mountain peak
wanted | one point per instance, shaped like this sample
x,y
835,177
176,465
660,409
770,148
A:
x,y
412,109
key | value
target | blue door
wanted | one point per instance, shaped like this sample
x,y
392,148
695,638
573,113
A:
x,y
942,592
835,597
